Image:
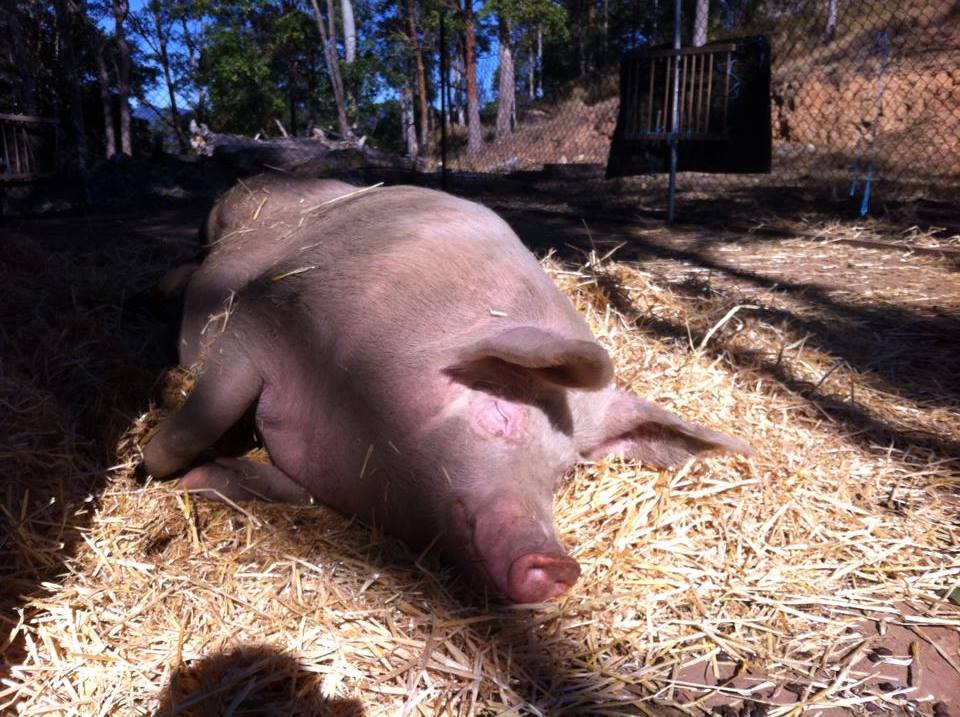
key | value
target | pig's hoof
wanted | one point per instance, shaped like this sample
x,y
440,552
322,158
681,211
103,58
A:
x,y
239,480
537,578
140,473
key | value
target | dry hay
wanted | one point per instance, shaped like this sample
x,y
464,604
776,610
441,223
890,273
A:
x,y
765,566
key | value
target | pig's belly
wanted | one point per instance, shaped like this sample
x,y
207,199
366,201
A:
x,y
333,467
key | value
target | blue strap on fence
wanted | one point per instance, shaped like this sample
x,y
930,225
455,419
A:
x,y
881,48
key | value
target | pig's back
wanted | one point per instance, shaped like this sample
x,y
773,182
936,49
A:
x,y
407,266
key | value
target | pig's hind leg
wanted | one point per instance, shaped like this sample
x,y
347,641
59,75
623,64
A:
x,y
229,385
239,479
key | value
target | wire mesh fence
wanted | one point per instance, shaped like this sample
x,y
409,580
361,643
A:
x,y
863,104
840,106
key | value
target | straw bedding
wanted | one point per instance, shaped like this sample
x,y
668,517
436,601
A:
x,y
735,582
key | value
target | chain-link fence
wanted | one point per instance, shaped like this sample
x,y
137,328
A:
x,y
864,109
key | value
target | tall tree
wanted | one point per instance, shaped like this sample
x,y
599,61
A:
x,y
831,29
417,48
121,8
67,23
539,64
700,21
506,92
406,119
474,130
22,59
349,32
333,65
191,18
155,26
519,18
106,103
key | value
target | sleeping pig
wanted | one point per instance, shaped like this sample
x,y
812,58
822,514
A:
x,y
406,361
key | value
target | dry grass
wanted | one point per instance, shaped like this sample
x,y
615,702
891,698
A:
x,y
765,567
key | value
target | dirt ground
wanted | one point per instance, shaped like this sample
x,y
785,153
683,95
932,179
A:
x,y
879,299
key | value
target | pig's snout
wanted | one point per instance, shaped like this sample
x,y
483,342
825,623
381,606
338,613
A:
x,y
535,577
517,549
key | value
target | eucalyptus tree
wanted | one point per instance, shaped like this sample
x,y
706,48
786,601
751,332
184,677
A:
x,y
121,11
156,23
525,21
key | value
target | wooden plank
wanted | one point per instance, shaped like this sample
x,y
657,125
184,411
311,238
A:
x,y
27,119
701,75
706,127
25,177
683,92
28,162
726,92
653,69
666,95
628,103
637,104
16,151
702,136
706,49
6,148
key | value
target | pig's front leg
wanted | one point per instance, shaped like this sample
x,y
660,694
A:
x,y
228,386
238,479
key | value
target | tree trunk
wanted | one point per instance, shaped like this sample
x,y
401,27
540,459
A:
x,y
331,25
103,78
606,30
831,30
171,91
333,68
120,10
456,85
531,74
421,75
23,60
539,61
292,99
409,127
474,130
349,31
77,130
581,50
506,92
191,45
584,34
700,21
311,100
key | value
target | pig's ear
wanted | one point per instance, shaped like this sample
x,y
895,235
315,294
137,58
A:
x,y
628,425
561,361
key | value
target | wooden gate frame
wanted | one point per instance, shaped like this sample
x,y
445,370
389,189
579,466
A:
x,y
17,150
696,98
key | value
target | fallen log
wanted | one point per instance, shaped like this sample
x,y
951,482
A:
x,y
319,155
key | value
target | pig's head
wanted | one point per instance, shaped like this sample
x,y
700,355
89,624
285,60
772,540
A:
x,y
529,404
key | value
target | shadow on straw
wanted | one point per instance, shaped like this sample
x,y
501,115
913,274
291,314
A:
x,y
252,680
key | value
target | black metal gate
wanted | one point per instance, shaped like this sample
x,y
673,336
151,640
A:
x,y
723,109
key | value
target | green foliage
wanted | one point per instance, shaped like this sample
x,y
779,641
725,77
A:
x,y
243,96
550,17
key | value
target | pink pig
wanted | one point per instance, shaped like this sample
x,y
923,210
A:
x,y
409,362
